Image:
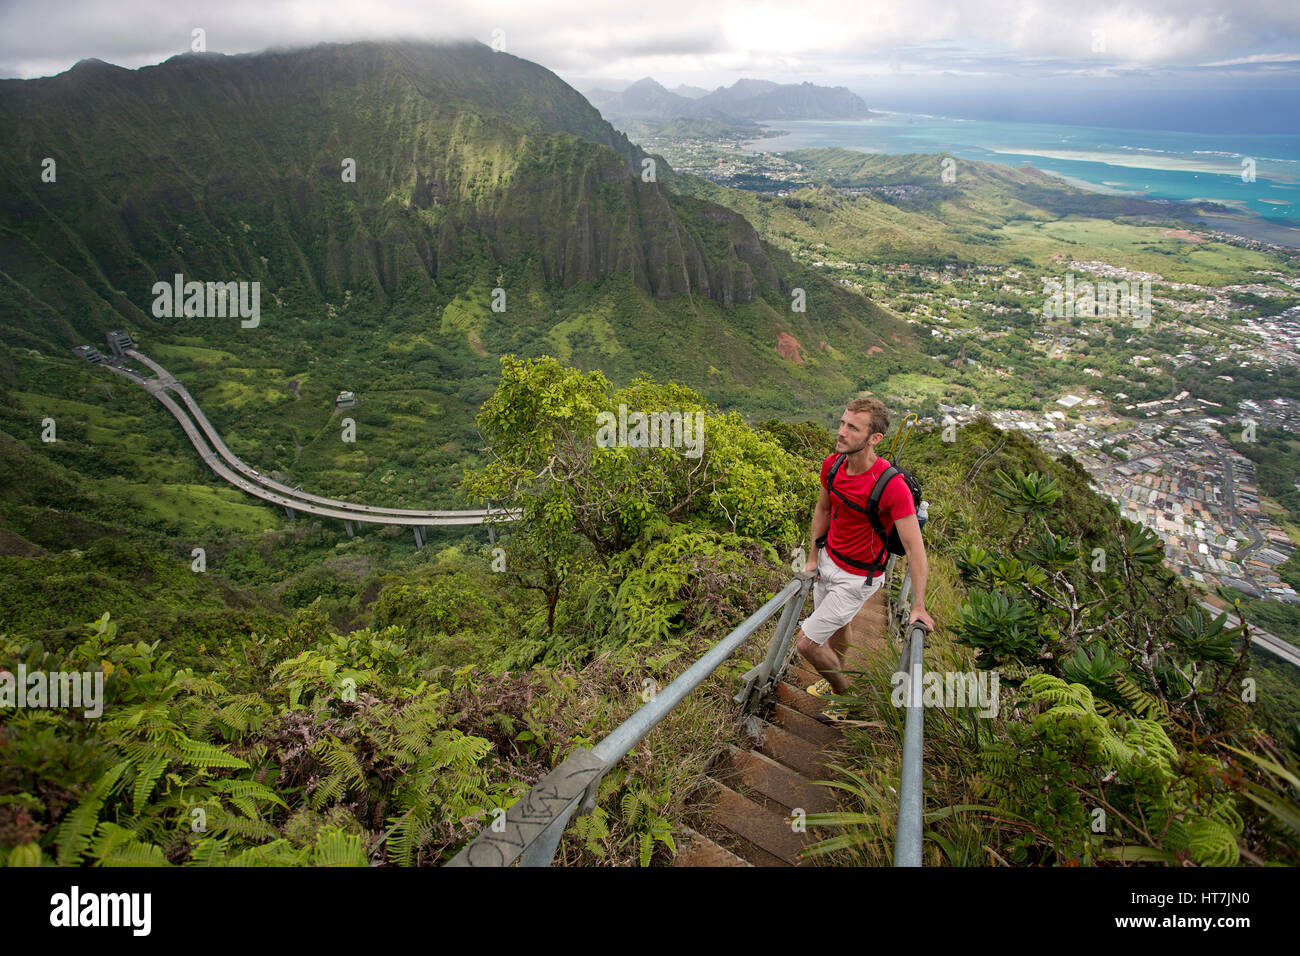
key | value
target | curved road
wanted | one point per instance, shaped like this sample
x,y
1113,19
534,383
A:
x,y
1264,640
169,381
231,469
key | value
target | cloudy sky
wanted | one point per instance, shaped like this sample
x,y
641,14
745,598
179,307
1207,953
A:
x,y
853,42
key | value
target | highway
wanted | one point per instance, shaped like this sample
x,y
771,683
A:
x,y
230,468
169,381
1274,645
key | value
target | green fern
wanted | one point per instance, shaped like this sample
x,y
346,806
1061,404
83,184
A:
x,y
118,846
78,827
1207,841
146,778
199,754
246,828
275,853
335,847
1140,701
246,794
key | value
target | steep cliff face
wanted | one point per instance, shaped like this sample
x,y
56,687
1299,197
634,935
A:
x,y
317,170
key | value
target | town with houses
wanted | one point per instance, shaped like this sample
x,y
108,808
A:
x,y
1164,461
1175,474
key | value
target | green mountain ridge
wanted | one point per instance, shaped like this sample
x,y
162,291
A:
x,y
214,166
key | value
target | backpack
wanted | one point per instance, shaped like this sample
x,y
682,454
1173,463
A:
x,y
891,543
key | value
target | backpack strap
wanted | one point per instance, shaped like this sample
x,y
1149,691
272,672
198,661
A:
x,y
881,562
873,502
871,510
872,507
830,486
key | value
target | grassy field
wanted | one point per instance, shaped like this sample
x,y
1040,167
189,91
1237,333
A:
x,y
173,354
914,389
1145,248
196,509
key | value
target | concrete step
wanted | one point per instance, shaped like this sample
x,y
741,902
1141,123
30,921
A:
x,y
796,698
801,725
739,846
757,827
778,783
800,672
795,752
695,849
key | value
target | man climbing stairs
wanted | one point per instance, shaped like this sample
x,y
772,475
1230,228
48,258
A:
x,y
757,787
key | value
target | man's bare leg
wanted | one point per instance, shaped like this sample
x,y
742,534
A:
x,y
840,640
827,662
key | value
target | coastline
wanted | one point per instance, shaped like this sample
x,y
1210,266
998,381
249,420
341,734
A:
x,y
1247,223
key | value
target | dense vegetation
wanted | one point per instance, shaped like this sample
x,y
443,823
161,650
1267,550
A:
x,y
393,743
275,738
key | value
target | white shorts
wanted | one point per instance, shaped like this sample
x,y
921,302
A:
x,y
838,595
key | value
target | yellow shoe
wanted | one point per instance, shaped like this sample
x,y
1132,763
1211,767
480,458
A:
x,y
834,714
820,689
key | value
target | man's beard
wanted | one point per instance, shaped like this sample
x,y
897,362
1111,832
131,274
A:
x,y
854,451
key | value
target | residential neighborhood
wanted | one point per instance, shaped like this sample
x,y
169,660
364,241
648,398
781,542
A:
x,y
1176,475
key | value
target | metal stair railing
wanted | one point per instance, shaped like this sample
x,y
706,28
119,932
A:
x,y
531,828
908,836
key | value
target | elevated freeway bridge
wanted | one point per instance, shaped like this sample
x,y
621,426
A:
x,y
228,466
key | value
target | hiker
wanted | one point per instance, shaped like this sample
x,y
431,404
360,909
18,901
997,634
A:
x,y
852,548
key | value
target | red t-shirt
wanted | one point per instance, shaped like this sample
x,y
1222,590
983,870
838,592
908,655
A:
x,y
850,532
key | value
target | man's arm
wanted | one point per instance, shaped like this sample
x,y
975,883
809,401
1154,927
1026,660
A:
x,y
909,532
821,521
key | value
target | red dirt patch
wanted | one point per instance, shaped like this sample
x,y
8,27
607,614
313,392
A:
x,y
788,347
1184,235
874,349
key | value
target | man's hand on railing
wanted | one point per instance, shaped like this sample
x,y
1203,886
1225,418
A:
x,y
918,614
809,569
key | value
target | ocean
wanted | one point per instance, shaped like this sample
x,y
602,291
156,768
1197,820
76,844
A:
x,y
1255,174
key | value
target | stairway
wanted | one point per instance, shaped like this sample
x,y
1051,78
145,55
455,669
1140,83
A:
x,y
757,787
